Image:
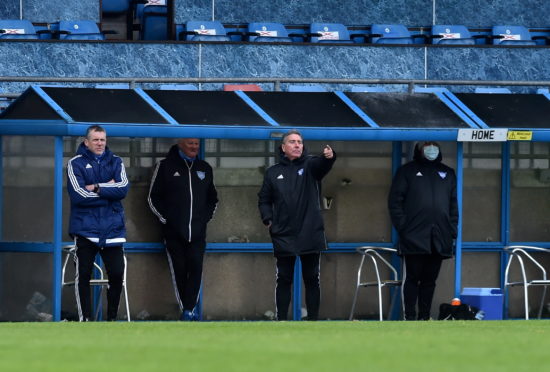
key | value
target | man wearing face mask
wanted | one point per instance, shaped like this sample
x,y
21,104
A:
x,y
424,211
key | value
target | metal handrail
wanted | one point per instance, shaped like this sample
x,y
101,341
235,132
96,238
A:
x,y
273,80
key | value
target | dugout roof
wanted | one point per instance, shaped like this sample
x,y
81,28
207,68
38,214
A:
x,y
392,116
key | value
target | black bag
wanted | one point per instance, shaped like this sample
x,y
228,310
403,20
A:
x,y
459,312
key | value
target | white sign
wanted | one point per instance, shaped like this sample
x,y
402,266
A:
x,y
482,135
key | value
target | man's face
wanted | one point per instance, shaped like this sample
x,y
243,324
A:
x,y
189,146
96,142
293,146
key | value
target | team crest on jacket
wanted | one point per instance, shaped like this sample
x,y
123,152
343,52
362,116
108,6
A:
x,y
442,174
201,174
300,171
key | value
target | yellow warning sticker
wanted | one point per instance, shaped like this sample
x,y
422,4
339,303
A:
x,y
520,135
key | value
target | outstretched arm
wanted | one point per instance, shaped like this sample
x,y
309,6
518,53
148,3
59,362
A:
x,y
321,165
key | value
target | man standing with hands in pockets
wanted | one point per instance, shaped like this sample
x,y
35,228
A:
x,y
289,203
183,197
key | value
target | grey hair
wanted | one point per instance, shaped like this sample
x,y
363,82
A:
x,y
292,131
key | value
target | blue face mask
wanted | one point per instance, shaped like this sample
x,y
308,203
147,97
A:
x,y
431,152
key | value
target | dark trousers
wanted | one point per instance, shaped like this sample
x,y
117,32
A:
x,y
421,272
113,257
311,275
185,260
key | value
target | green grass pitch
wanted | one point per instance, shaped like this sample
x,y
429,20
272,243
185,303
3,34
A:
x,y
514,345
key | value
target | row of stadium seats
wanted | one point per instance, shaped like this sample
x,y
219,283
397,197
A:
x,y
152,29
62,30
375,34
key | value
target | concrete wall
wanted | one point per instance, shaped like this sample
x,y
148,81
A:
x,y
472,13
49,11
176,60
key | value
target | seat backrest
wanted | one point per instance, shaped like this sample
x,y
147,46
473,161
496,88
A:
x,y
115,6
367,89
205,31
154,22
329,32
17,29
267,32
493,90
451,34
511,35
306,88
176,86
79,30
112,86
390,34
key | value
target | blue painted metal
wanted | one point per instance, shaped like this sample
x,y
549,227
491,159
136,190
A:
x,y
396,311
505,215
297,291
356,109
151,102
441,94
242,95
62,113
459,187
466,110
1,188
57,228
539,135
155,247
1,208
505,194
34,128
202,149
452,105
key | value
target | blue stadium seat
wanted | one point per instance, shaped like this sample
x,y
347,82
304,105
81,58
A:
x,y
203,31
451,34
78,30
306,88
511,35
390,34
178,87
329,33
367,89
112,86
492,90
139,5
115,6
17,29
154,22
270,32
